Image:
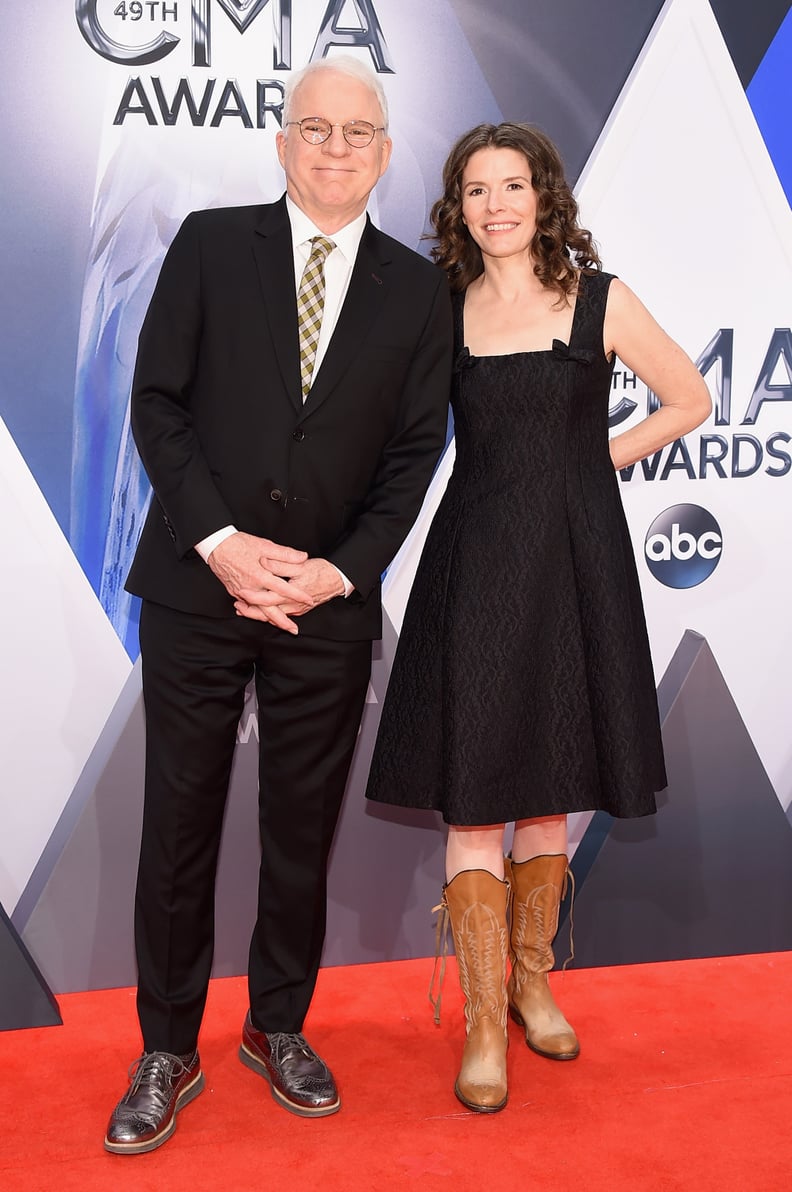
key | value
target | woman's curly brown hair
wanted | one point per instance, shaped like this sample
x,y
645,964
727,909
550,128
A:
x,y
560,246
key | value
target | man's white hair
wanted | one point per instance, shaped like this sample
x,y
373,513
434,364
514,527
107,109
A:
x,y
345,64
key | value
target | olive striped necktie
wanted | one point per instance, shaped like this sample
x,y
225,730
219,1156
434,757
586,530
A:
x,y
310,304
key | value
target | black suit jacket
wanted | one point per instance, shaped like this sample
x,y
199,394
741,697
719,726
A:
x,y
219,421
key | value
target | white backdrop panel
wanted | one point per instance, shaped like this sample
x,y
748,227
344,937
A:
x,y
687,208
68,668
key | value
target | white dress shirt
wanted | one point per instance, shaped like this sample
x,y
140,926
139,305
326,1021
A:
x,y
337,272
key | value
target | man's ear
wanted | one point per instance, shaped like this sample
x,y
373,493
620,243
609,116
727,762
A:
x,y
387,149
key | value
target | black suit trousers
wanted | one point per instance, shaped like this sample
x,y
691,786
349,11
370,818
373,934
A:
x,y
310,695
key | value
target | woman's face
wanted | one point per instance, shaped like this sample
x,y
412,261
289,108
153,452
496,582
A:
x,y
499,202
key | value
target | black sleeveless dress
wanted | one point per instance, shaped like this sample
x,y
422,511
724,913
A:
x,y
522,684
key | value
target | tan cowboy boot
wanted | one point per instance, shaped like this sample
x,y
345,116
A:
x,y
476,902
538,886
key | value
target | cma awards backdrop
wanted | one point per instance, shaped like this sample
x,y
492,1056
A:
x,y
123,116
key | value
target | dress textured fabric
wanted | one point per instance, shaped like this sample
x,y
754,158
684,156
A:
x,y
523,684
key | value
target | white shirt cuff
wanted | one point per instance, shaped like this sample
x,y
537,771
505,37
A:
x,y
207,545
348,587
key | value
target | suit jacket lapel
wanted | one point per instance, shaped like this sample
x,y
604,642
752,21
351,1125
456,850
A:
x,y
272,248
367,290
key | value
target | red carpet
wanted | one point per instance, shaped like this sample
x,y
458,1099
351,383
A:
x,y
684,1082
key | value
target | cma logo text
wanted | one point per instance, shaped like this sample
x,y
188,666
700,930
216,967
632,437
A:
x,y
722,454
200,100
683,546
138,13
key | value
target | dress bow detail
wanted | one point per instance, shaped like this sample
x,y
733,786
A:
x,y
464,361
563,351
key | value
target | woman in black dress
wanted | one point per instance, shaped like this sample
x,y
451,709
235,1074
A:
x,y
522,687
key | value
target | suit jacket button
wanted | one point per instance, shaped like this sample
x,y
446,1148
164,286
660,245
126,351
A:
x,y
276,494
298,435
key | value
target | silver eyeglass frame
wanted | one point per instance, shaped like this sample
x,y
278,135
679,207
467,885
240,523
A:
x,y
315,139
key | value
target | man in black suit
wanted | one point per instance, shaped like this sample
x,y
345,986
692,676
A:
x,y
286,474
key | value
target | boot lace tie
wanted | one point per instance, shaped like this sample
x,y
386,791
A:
x,y
441,955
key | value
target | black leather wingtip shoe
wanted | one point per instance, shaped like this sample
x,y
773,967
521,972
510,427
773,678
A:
x,y
160,1085
299,1080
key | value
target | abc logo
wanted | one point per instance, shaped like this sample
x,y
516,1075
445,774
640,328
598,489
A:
x,y
683,546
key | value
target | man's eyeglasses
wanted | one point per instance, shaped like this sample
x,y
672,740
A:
x,y
315,130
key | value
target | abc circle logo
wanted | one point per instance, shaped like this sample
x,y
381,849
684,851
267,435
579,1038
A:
x,y
683,546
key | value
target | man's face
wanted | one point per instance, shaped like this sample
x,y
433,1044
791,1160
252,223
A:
x,y
331,182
